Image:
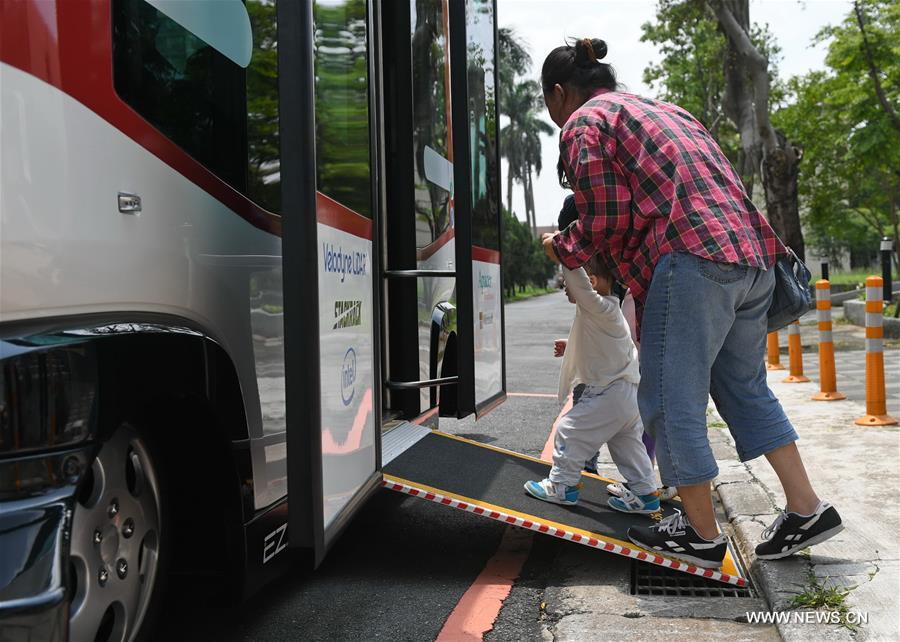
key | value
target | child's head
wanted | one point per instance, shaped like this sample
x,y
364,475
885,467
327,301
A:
x,y
600,276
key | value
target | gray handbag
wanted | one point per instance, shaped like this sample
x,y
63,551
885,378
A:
x,y
792,297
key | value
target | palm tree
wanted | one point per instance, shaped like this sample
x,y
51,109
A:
x,y
520,102
521,141
514,57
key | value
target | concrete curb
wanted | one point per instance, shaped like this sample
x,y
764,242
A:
x,y
855,312
863,558
750,507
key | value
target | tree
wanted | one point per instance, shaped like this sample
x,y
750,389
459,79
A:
x,y
850,185
747,103
722,69
521,101
521,141
524,261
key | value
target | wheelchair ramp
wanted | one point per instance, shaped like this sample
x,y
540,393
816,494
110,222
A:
x,y
487,481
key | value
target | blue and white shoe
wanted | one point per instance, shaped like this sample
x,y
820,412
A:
x,y
628,502
550,492
665,492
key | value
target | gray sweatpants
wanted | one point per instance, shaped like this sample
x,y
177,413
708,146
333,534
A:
x,y
603,416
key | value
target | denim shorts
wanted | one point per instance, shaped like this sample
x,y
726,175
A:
x,y
704,334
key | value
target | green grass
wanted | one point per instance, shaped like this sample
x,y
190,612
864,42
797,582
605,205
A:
x,y
817,595
529,292
855,277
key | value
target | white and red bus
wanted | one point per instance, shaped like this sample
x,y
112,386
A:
x,y
245,245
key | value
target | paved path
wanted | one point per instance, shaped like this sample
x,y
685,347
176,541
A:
x,y
850,359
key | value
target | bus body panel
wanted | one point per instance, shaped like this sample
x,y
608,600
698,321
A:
x,y
66,250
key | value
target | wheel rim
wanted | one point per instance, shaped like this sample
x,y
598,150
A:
x,y
115,541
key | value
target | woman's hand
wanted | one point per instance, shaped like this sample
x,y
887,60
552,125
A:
x,y
547,242
559,347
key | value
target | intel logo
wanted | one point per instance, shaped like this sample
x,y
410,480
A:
x,y
348,377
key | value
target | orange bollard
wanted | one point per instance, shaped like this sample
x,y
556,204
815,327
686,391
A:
x,y
876,405
795,355
827,375
774,357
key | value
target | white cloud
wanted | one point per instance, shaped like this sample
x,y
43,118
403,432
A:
x,y
545,24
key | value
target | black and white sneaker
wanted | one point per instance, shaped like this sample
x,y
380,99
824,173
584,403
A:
x,y
675,537
791,532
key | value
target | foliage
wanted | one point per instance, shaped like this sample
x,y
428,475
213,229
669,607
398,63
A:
x,y
514,57
521,100
342,111
818,595
263,178
524,261
529,292
850,183
690,71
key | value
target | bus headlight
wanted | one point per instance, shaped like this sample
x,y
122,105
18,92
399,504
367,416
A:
x,y
47,414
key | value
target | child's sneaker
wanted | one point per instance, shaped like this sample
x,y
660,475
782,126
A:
x,y
550,492
791,532
675,537
665,492
591,464
628,502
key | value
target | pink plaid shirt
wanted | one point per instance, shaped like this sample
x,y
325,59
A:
x,y
649,180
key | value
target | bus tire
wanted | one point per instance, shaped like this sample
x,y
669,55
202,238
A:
x,y
121,540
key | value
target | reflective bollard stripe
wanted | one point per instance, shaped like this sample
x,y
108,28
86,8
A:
x,y
827,375
795,355
876,404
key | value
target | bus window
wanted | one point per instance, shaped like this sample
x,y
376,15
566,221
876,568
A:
x,y
432,140
342,104
222,114
483,124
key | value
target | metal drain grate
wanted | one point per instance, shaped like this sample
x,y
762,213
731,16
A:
x,y
650,579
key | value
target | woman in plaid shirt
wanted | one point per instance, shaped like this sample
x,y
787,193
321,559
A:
x,y
658,199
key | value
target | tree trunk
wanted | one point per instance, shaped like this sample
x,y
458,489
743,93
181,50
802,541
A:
x,y
509,187
529,199
737,103
747,93
779,173
531,203
874,72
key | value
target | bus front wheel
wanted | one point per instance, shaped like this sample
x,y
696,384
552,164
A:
x,y
119,541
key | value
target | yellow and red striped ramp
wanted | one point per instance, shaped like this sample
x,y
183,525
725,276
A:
x,y
487,481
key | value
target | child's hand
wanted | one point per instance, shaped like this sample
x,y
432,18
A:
x,y
559,347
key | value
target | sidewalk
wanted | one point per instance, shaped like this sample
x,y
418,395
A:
x,y
849,357
855,468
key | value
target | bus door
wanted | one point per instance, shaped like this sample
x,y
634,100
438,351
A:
x,y
330,270
443,334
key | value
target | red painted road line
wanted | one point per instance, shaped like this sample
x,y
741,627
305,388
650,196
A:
x,y
477,610
542,395
547,452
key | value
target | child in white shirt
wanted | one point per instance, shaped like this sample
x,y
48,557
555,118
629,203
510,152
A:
x,y
600,368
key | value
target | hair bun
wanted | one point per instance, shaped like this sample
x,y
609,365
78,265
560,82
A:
x,y
589,51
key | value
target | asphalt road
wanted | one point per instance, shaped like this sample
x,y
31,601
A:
x,y
403,564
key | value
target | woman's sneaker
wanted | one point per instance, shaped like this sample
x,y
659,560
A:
x,y
629,502
551,492
665,493
675,537
791,532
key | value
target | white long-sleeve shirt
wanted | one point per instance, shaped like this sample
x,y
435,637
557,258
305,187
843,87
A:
x,y
600,349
